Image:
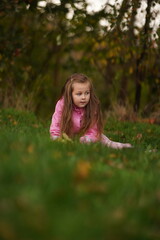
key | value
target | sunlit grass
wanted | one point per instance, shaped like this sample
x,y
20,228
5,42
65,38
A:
x,y
64,191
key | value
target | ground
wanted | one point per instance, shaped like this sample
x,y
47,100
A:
x,y
67,190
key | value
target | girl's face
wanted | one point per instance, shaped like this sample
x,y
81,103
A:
x,y
81,94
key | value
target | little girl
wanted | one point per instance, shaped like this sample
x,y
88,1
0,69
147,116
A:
x,y
78,112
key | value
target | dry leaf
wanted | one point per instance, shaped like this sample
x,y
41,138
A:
x,y
139,136
83,169
30,149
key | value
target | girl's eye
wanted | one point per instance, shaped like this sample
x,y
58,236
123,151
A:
x,y
78,94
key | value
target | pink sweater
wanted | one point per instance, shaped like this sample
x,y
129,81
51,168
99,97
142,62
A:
x,y
77,116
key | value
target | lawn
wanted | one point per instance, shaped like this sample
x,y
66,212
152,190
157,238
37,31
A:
x,y
71,191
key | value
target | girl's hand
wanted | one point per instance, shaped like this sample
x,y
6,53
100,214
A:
x,y
125,145
54,137
118,145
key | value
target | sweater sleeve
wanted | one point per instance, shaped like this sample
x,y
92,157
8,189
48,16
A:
x,y
117,145
56,119
92,136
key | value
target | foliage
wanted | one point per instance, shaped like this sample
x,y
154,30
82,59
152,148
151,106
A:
x,y
55,190
41,46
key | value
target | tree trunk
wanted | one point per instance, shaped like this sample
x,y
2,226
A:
x,y
130,42
140,67
124,80
123,90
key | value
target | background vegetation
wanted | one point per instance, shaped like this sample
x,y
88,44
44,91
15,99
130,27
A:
x,y
41,46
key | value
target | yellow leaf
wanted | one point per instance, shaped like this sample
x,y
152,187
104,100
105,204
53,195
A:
x,y
130,70
118,214
65,136
57,154
35,125
7,231
112,155
139,136
15,123
83,169
30,148
149,130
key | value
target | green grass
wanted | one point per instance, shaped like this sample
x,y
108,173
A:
x,y
71,191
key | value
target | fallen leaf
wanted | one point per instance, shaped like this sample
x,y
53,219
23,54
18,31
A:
x,y
112,155
139,136
82,170
65,136
118,214
30,149
15,123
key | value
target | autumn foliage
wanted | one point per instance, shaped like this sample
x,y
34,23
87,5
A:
x,y
41,46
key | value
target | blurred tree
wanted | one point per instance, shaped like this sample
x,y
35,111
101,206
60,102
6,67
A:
x,y
130,43
41,46
145,43
34,44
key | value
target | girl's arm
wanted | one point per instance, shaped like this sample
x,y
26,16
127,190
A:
x,y
56,119
92,136
117,145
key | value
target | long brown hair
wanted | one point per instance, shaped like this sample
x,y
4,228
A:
x,y
92,114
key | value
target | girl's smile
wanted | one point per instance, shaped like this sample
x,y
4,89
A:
x,y
81,94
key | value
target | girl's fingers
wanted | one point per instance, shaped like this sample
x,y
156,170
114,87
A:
x,y
128,145
122,145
